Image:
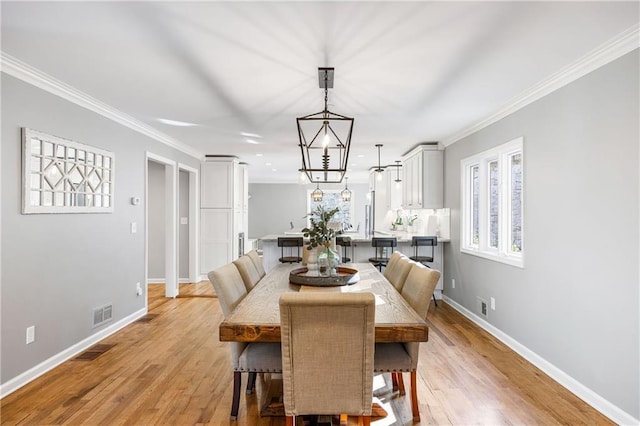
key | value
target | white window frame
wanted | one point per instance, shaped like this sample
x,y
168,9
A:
x,y
503,253
330,191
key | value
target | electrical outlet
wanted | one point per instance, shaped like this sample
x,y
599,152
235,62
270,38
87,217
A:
x,y
453,283
138,289
493,304
31,334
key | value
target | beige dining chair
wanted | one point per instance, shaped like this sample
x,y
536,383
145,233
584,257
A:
x,y
327,353
257,261
248,272
245,357
397,270
403,357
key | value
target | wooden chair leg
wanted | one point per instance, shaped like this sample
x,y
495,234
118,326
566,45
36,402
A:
x,y
289,420
251,382
414,397
366,420
394,381
401,383
235,404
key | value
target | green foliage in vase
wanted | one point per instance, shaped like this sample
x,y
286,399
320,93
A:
x,y
319,233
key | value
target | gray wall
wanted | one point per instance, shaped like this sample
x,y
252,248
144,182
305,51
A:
x,y
57,267
575,303
156,225
273,205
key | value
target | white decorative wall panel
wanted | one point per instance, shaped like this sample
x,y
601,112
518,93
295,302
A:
x,y
62,176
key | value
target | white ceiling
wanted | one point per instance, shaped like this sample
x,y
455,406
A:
x,y
407,72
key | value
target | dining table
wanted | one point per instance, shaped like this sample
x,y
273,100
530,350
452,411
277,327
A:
x,y
257,316
257,319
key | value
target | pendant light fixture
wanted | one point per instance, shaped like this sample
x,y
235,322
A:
x,y
379,170
317,194
326,153
346,194
398,180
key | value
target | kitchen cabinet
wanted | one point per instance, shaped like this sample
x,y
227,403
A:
x,y
224,203
423,178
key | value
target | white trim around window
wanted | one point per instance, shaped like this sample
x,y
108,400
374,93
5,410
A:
x,y
492,214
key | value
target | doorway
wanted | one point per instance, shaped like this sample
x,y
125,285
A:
x,y
161,178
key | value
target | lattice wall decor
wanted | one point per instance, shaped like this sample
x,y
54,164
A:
x,y
62,176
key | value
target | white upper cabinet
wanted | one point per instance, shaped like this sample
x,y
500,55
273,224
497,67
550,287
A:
x,y
216,184
423,178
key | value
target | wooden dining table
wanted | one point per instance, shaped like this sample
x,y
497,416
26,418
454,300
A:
x,y
257,316
257,319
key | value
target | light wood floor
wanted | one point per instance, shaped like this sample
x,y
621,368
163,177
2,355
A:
x,y
172,369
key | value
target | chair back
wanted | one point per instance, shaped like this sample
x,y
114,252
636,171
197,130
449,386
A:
x,y
327,352
257,261
384,242
229,287
290,243
419,286
344,241
248,272
417,242
395,256
398,269
230,290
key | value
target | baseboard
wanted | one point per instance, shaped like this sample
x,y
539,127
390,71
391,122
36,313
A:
x,y
601,404
163,281
37,371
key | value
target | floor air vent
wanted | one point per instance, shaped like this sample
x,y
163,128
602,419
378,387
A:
x,y
146,318
93,352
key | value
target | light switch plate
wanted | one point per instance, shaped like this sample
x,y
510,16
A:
x,y
31,334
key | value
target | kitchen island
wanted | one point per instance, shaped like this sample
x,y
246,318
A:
x,y
362,250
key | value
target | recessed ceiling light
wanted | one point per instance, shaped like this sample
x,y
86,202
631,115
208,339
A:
x,y
267,164
274,170
360,155
250,135
258,155
353,164
252,141
175,122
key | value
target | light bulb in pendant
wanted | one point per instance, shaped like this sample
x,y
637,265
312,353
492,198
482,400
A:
x,y
325,140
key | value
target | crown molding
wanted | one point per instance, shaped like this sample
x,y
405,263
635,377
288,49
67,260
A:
x,y
613,49
22,71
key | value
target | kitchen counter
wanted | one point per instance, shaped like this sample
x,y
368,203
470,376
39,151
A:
x,y
360,250
402,236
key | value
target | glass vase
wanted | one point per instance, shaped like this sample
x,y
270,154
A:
x,y
328,260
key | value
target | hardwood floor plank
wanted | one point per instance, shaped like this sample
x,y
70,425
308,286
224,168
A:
x,y
172,369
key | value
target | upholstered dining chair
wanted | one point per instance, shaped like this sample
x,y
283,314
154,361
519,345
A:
x,y
257,261
397,269
248,271
245,357
403,357
327,353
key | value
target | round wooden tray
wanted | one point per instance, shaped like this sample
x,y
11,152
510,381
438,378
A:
x,y
344,276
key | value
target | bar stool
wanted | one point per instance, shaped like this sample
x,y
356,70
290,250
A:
x,y
378,243
344,242
290,243
417,242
